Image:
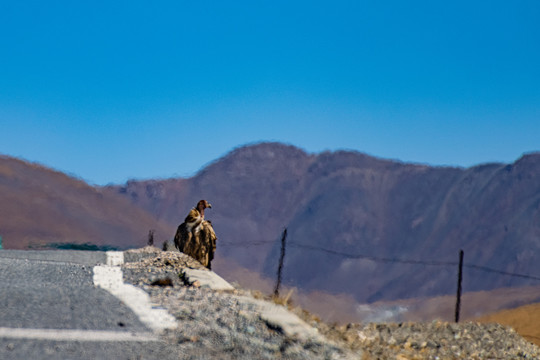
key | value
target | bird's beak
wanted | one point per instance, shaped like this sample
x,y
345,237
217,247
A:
x,y
210,206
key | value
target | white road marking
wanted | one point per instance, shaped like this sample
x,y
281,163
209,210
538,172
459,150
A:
x,y
115,258
110,278
75,335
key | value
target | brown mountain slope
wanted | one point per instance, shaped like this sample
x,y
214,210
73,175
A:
x,y
39,206
355,204
254,192
366,212
525,320
492,212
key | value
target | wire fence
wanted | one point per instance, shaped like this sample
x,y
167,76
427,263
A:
x,y
392,260
372,258
381,259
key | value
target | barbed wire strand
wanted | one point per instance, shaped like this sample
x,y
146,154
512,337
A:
x,y
487,269
374,258
250,243
385,260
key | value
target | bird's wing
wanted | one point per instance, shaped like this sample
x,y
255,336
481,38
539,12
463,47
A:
x,y
193,216
207,225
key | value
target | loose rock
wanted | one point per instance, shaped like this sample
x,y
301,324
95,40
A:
x,y
220,324
214,324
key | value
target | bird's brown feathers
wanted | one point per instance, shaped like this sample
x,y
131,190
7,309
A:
x,y
193,216
196,236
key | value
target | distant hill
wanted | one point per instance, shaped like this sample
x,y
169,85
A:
x,y
254,191
366,212
352,203
40,207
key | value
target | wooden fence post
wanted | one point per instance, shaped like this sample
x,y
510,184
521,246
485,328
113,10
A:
x,y
151,238
460,279
280,266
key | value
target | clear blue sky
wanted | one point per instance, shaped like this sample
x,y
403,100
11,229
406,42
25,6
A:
x,y
112,90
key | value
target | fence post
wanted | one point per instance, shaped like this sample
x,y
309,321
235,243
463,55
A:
x,y
151,238
280,266
460,279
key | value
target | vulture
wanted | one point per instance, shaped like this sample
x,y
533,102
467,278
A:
x,y
196,237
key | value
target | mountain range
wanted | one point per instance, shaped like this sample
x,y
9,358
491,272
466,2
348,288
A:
x,y
373,229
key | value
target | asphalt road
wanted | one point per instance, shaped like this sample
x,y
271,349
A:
x,y
50,309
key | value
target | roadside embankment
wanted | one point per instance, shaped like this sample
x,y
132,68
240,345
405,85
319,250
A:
x,y
234,324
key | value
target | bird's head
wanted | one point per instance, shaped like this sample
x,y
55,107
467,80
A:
x,y
203,204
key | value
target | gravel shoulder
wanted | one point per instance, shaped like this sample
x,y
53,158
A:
x,y
222,324
217,324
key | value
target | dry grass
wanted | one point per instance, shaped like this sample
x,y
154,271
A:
x,y
285,301
279,300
